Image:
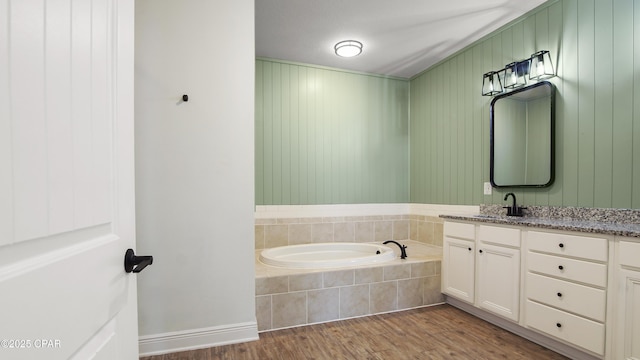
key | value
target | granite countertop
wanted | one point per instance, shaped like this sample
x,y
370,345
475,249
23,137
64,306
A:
x,y
598,227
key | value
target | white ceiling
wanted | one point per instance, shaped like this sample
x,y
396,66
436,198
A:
x,y
401,37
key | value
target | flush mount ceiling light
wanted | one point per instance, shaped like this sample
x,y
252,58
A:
x,y
348,48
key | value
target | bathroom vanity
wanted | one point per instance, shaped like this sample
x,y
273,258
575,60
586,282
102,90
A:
x,y
573,286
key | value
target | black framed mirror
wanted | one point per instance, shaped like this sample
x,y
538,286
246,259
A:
x,y
522,137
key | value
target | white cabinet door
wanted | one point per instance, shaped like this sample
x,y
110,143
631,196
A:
x,y
499,280
458,269
66,180
628,337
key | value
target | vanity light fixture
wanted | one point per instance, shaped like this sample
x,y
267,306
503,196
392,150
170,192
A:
x,y
348,48
541,66
513,75
491,84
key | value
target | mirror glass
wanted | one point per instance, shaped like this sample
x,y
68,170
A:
x,y
522,137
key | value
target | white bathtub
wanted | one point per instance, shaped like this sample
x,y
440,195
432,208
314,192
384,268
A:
x,y
326,255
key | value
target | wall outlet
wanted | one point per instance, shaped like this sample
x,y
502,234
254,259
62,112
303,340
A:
x,y
487,188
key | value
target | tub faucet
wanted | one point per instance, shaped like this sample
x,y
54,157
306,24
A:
x,y
403,252
513,210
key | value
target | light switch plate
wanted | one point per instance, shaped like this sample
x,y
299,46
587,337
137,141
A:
x,y
487,188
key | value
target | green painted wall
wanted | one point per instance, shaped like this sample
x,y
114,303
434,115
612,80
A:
x,y
595,46
325,136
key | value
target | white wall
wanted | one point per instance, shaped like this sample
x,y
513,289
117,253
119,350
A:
x,y
195,172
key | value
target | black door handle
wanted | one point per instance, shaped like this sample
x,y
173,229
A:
x,y
133,263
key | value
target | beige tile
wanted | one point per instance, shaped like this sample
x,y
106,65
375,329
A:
x,y
305,282
425,232
383,230
323,305
413,229
384,296
374,217
424,269
272,285
364,231
276,235
266,221
288,221
322,232
344,232
354,301
410,293
432,290
338,278
259,236
400,229
438,230
436,219
395,272
289,309
263,312
299,234
311,220
369,275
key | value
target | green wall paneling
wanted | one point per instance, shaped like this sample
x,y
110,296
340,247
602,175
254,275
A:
x,y
327,136
595,45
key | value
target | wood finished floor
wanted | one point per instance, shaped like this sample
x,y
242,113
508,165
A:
x,y
439,332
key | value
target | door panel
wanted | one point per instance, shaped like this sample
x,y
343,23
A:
x,y
66,179
499,280
459,271
627,343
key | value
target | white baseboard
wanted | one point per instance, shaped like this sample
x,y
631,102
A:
x,y
165,343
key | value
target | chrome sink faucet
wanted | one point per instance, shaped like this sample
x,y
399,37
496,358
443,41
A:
x,y
513,210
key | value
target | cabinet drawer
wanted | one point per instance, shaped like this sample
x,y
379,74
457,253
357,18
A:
x,y
579,299
499,235
571,328
571,269
629,253
460,230
568,245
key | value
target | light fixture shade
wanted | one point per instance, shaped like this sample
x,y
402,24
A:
x,y
541,66
514,74
491,84
348,48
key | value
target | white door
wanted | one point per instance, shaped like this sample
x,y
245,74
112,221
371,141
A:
x,y
66,180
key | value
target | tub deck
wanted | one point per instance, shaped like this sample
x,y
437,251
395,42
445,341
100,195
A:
x,y
416,252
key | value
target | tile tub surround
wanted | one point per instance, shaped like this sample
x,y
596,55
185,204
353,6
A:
x,y
294,297
273,232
